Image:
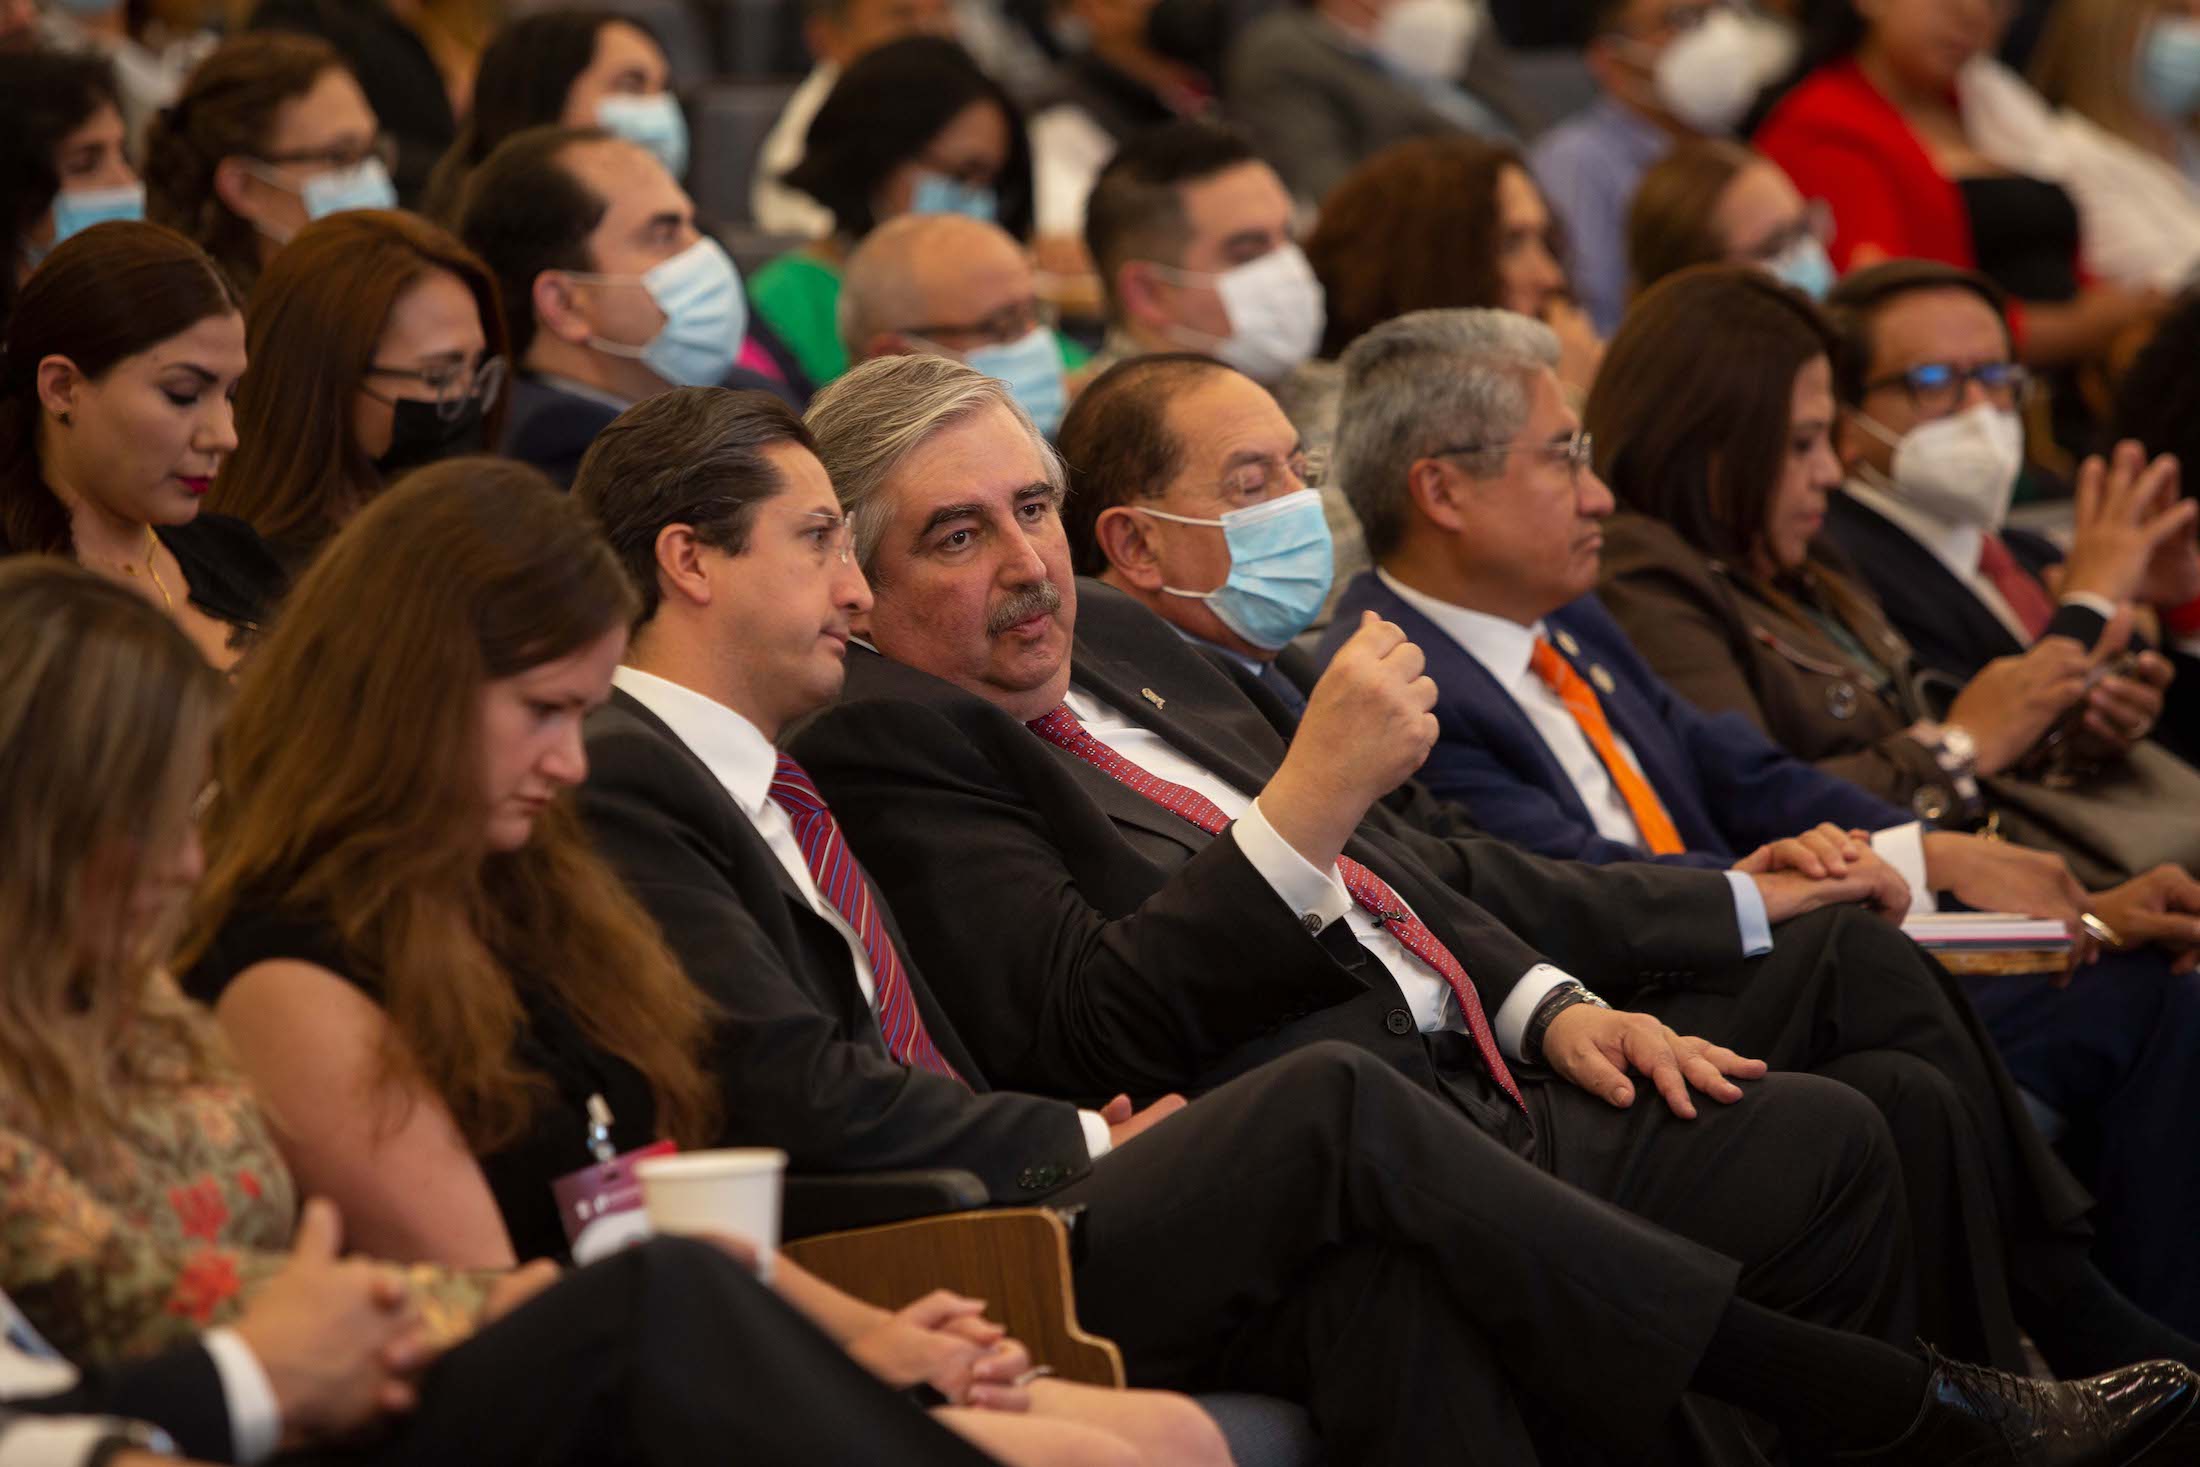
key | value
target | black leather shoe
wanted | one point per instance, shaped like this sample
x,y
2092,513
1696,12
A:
x,y
1972,1416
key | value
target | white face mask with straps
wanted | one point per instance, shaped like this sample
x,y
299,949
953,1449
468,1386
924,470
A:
x,y
1961,469
1275,308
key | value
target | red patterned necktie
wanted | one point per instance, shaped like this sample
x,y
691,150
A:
x,y
842,881
2026,597
1061,729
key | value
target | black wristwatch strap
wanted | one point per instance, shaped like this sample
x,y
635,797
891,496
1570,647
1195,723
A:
x,y
1567,995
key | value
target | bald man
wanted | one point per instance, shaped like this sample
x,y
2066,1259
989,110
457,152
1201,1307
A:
x,y
948,285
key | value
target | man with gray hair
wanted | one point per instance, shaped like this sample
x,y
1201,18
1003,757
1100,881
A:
x,y
956,287
1473,476
1122,879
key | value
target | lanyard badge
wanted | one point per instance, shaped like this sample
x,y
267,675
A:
x,y
601,1205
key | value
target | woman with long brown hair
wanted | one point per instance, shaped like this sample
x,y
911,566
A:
x,y
271,130
1439,222
380,346
115,415
404,932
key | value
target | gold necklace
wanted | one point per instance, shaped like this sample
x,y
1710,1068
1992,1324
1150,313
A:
x,y
152,572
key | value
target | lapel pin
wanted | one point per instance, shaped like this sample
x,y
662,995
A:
x,y
1153,697
1601,678
1568,645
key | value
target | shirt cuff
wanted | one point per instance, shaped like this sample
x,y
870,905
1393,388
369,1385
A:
x,y
1307,889
1511,1023
1098,1142
63,1441
1903,847
2100,606
1750,914
255,1417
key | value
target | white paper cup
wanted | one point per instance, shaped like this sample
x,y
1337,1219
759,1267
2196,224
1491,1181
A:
x,y
734,1192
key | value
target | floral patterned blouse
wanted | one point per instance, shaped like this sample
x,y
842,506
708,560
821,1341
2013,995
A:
x,y
191,1214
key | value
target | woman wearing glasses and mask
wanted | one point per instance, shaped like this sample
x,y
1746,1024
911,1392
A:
x,y
271,132
381,346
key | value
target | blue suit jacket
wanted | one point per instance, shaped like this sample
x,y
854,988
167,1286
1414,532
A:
x,y
1728,788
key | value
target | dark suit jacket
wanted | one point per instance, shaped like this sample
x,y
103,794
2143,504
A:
x,y
1088,941
178,1391
1950,629
1728,788
551,428
798,1050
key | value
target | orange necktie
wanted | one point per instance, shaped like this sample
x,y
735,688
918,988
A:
x,y
1642,801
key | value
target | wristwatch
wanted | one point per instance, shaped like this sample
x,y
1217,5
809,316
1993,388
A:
x,y
1566,995
1956,752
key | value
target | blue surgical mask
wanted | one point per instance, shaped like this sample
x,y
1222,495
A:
x,y
1031,365
364,185
2169,67
75,210
706,316
654,122
1806,266
1281,565
936,193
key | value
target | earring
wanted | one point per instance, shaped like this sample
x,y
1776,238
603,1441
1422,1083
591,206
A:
x,y
65,420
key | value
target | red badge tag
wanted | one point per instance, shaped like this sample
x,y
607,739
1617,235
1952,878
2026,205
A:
x,y
601,1205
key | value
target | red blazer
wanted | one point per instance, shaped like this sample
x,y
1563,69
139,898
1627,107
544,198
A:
x,y
1841,141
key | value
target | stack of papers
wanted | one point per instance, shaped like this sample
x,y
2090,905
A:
x,y
1986,932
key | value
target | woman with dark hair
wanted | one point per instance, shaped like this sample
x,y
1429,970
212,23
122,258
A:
x,y
1714,201
912,127
573,68
1877,126
381,344
62,163
271,131
1713,420
1442,222
115,415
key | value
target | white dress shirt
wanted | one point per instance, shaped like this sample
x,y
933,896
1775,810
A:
x,y
31,1368
744,761
1307,889
1504,648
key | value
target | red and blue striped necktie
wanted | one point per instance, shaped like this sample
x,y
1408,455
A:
x,y
1061,729
843,883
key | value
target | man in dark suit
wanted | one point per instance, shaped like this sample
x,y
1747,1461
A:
x,y
1557,735
1321,1227
1931,437
1162,445
570,221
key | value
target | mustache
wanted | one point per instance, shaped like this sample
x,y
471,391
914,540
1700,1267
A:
x,y
1022,604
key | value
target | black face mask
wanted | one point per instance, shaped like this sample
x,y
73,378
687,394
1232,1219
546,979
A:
x,y
419,436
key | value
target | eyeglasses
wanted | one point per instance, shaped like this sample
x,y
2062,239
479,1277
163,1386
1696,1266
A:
x,y
1011,322
452,383
1576,451
834,534
1939,387
383,147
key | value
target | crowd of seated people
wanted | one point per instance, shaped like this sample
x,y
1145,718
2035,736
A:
x,y
1349,665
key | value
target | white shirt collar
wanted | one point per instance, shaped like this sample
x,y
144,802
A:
x,y
1954,546
732,748
1503,647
